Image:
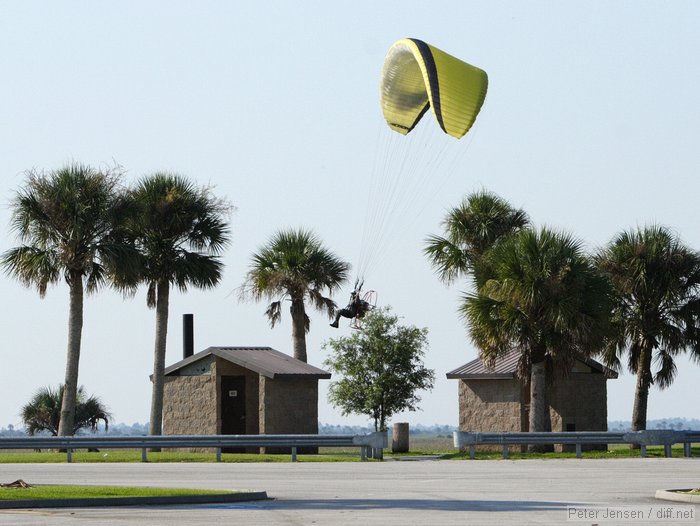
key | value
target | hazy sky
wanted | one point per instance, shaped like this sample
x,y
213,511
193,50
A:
x,y
590,124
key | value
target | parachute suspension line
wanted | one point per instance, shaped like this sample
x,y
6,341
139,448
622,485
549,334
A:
x,y
387,195
405,177
437,170
407,183
452,153
389,172
381,190
370,212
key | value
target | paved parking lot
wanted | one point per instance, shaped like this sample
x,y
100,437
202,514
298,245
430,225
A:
x,y
391,492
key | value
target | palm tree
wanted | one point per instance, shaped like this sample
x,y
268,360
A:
x,y
544,300
43,412
180,231
657,290
67,221
474,226
294,265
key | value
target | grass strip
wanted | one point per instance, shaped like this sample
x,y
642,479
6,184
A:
x,y
331,455
50,491
614,451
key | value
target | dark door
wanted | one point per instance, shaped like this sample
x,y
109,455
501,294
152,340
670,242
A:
x,y
233,408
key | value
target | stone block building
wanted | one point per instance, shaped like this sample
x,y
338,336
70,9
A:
x,y
241,390
496,400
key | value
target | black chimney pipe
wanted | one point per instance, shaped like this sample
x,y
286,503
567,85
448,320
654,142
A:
x,y
187,335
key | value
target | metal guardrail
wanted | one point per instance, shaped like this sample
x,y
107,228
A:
x,y
371,445
652,437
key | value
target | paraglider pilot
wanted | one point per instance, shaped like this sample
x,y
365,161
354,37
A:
x,y
355,309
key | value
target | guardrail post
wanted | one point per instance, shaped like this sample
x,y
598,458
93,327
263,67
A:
x,y
578,450
667,450
218,454
687,452
144,455
643,451
363,453
377,453
472,452
69,457
294,454
505,451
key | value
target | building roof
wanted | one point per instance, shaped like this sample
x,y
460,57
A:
x,y
263,360
505,368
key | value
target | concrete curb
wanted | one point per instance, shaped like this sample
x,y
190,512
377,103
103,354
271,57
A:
x,y
422,458
135,501
673,495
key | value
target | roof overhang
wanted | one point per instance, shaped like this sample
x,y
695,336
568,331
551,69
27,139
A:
x,y
265,361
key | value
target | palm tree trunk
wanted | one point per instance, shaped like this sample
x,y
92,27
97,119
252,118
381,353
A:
x,y
538,403
162,307
298,329
75,331
641,392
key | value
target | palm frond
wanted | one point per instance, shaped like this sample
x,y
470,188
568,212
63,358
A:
x,y
274,313
151,295
448,260
32,266
666,371
321,302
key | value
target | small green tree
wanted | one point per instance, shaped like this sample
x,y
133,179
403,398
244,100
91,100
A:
x,y
381,366
43,412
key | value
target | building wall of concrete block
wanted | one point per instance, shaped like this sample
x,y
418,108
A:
x,y
577,403
189,406
282,413
490,405
288,406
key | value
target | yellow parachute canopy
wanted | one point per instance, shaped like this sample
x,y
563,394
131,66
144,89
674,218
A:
x,y
417,75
